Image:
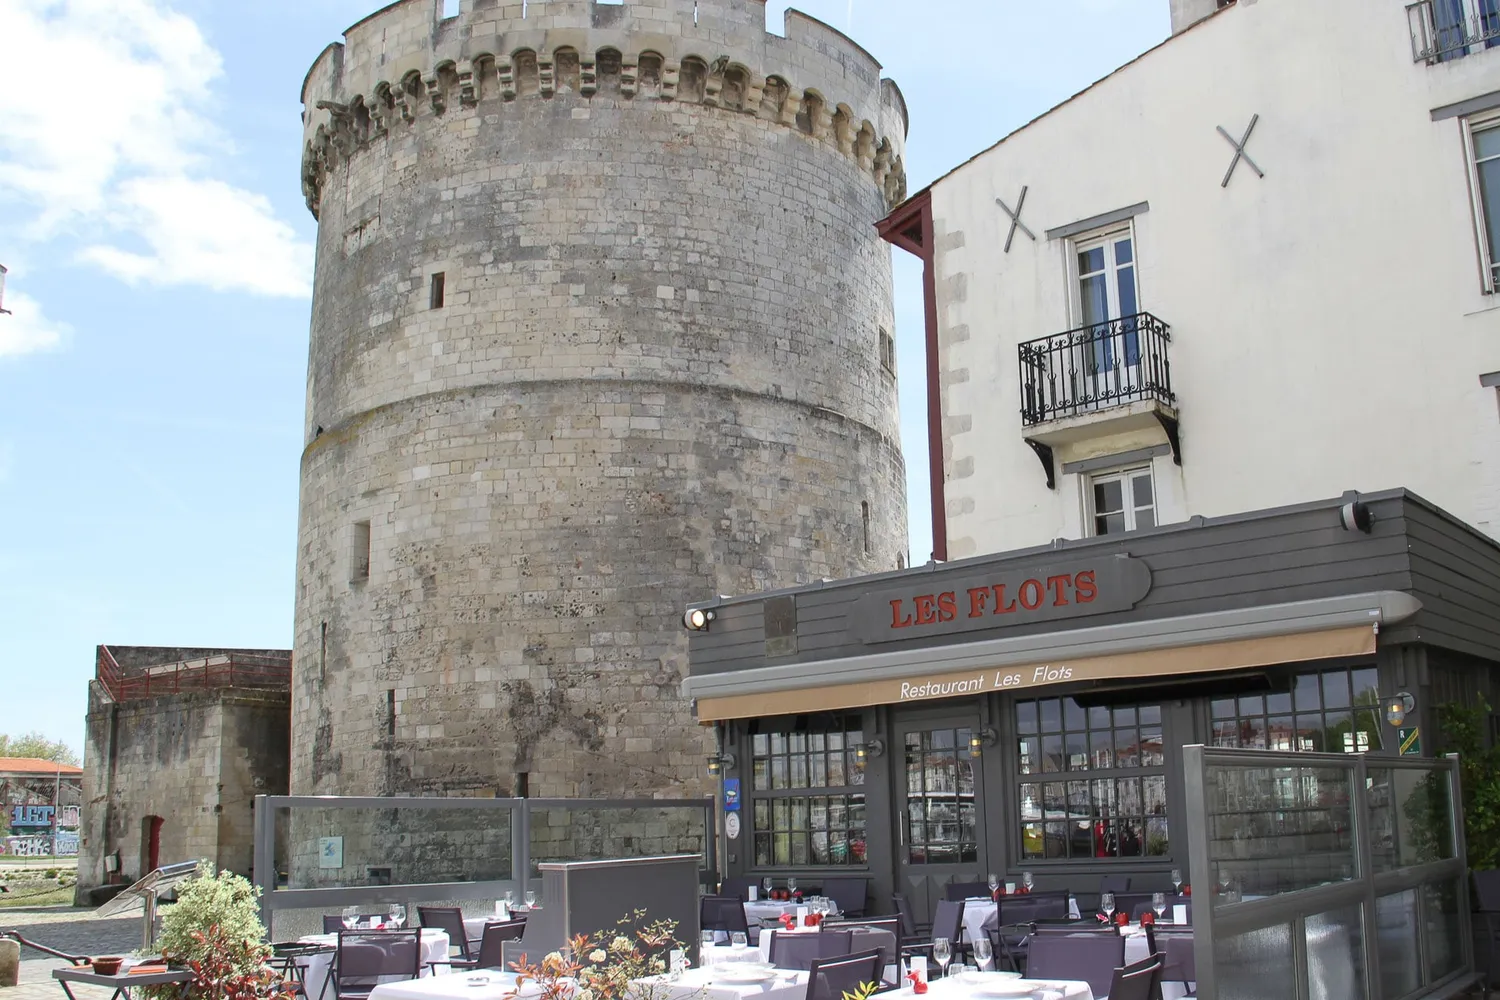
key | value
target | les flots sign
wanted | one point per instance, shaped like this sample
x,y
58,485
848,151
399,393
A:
x,y
998,600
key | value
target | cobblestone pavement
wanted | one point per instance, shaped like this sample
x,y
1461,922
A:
x,y
77,932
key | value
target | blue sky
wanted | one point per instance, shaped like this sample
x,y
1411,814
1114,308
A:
x,y
152,373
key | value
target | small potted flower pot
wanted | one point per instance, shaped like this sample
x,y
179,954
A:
x,y
108,965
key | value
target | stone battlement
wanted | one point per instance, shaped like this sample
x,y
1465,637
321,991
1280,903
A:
x,y
407,61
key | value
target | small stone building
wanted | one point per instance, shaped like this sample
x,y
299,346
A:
x,y
179,743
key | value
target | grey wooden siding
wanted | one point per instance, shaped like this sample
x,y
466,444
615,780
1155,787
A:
x,y
1269,557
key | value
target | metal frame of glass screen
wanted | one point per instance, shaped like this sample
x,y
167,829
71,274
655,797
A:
x,y
1211,921
518,816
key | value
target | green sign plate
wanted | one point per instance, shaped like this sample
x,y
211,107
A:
x,y
1410,741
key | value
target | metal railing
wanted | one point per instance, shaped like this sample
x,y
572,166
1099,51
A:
x,y
226,670
1443,30
1095,367
1326,875
478,858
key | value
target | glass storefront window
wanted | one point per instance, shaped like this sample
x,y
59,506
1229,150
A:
x,y
1330,711
1092,780
806,803
941,819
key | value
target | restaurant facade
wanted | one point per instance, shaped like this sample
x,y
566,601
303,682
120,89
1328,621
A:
x,y
1026,711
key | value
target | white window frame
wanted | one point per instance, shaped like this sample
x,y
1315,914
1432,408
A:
x,y
1126,477
1073,245
1488,269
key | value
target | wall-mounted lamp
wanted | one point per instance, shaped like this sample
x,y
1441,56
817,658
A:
x,y
718,762
1398,707
985,737
697,619
866,751
1355,516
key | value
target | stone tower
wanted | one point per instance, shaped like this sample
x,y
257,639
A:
x,y
599,327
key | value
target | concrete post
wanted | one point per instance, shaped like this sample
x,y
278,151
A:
x,y
10,962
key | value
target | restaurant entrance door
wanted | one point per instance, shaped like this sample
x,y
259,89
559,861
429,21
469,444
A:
x,y
940,825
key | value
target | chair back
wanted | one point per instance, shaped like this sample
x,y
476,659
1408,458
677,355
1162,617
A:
x,y
1114,883
870,932
833,978
497,934
1068,953
835,942
948,921
738,885
795,951
334,922
848,893
1175,946
450,920
1033,906
967,890
1487,891
1132,903
1139,981
904,914
365,958
722,913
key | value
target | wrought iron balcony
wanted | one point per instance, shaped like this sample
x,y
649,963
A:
x,y
1095,367
1443,30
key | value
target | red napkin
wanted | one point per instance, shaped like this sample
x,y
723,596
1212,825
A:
x,y
814,919
1187,891
788,921
917,986
1148,918
1122,918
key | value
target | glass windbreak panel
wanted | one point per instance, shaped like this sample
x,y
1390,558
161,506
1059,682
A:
x,y
1256,965
1396,944
1335,954
1441,917
1411,818
1278,829
941,816
423,843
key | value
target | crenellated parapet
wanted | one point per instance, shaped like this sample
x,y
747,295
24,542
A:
x,y
407,62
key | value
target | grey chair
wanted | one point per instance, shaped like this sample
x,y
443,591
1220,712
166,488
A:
x,y
1138,981
834,978
723,913
492,943
967,890
1069,953
908,919
1174,945
449,920
889,925
365,959
738,885
1017,916
848,893
947,922
796,951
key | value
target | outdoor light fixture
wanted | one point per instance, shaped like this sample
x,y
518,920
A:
x,y
1398,707
1355,516
985,737
718,762
697,619
867,751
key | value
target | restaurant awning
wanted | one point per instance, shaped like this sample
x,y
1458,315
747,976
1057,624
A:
x,y
1190,644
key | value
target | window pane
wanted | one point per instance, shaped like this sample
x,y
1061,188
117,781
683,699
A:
x,y
1078,751
1152,754
1487,143
1125,286
1026,717
1157,843
1305,695
1127,748
1073,716
1365,688
1145,519
1252,705
1028,751
1052,753
1223,708
1109,496
1094,298
1226,733
1122,248
1104,749
1150,715
1114,524
1280,733
1278,704
1090,261
1098,717
1051,711
1127,716
1336,689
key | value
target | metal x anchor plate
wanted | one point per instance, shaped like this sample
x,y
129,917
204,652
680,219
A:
x,y
1239,151
1015,218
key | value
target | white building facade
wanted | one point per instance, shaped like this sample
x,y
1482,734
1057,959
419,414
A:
x,y
1256,265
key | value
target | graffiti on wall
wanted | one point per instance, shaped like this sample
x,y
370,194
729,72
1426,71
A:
x,y
39,846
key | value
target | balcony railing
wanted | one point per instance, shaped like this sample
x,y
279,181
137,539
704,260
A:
x,y
1443,30
1095,367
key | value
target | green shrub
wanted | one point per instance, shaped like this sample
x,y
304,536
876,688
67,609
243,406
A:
x,y
219,907
1463,729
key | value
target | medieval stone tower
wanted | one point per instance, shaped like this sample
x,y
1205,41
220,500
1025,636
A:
x,y
600,326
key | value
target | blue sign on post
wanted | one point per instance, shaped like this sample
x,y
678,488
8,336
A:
x,y
731,795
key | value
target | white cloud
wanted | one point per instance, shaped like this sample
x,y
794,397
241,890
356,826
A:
x,y
136,166
27,330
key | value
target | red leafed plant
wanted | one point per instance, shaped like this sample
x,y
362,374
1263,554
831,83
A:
x,y
220,973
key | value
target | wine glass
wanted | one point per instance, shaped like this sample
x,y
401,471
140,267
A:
x,y
707,938
942,953
994,883
791,885
530,898
398,915
739,939
510,898
982,951
1159,903
768,884
1224,879
1027,881
1107,904
1177,881
351,917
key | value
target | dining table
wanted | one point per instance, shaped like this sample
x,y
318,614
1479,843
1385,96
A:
x,y
479,984
474,926
717,982
316,967
992,985
981,915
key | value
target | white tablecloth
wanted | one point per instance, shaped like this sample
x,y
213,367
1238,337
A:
x,y
481,985
1136,950
474,926
958,988
979,916
698,984
316,967
767,911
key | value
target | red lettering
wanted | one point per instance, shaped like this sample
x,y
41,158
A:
x,y
926,613
1001,608
947,607
1034,589
896,620
1086,590
977,598
1056,585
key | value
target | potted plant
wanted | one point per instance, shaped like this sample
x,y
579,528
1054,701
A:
x,y
214,930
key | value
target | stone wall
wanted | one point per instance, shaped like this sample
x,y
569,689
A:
x,y
596,331
195,759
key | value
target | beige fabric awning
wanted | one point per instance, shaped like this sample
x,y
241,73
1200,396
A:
x,y
1243,638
